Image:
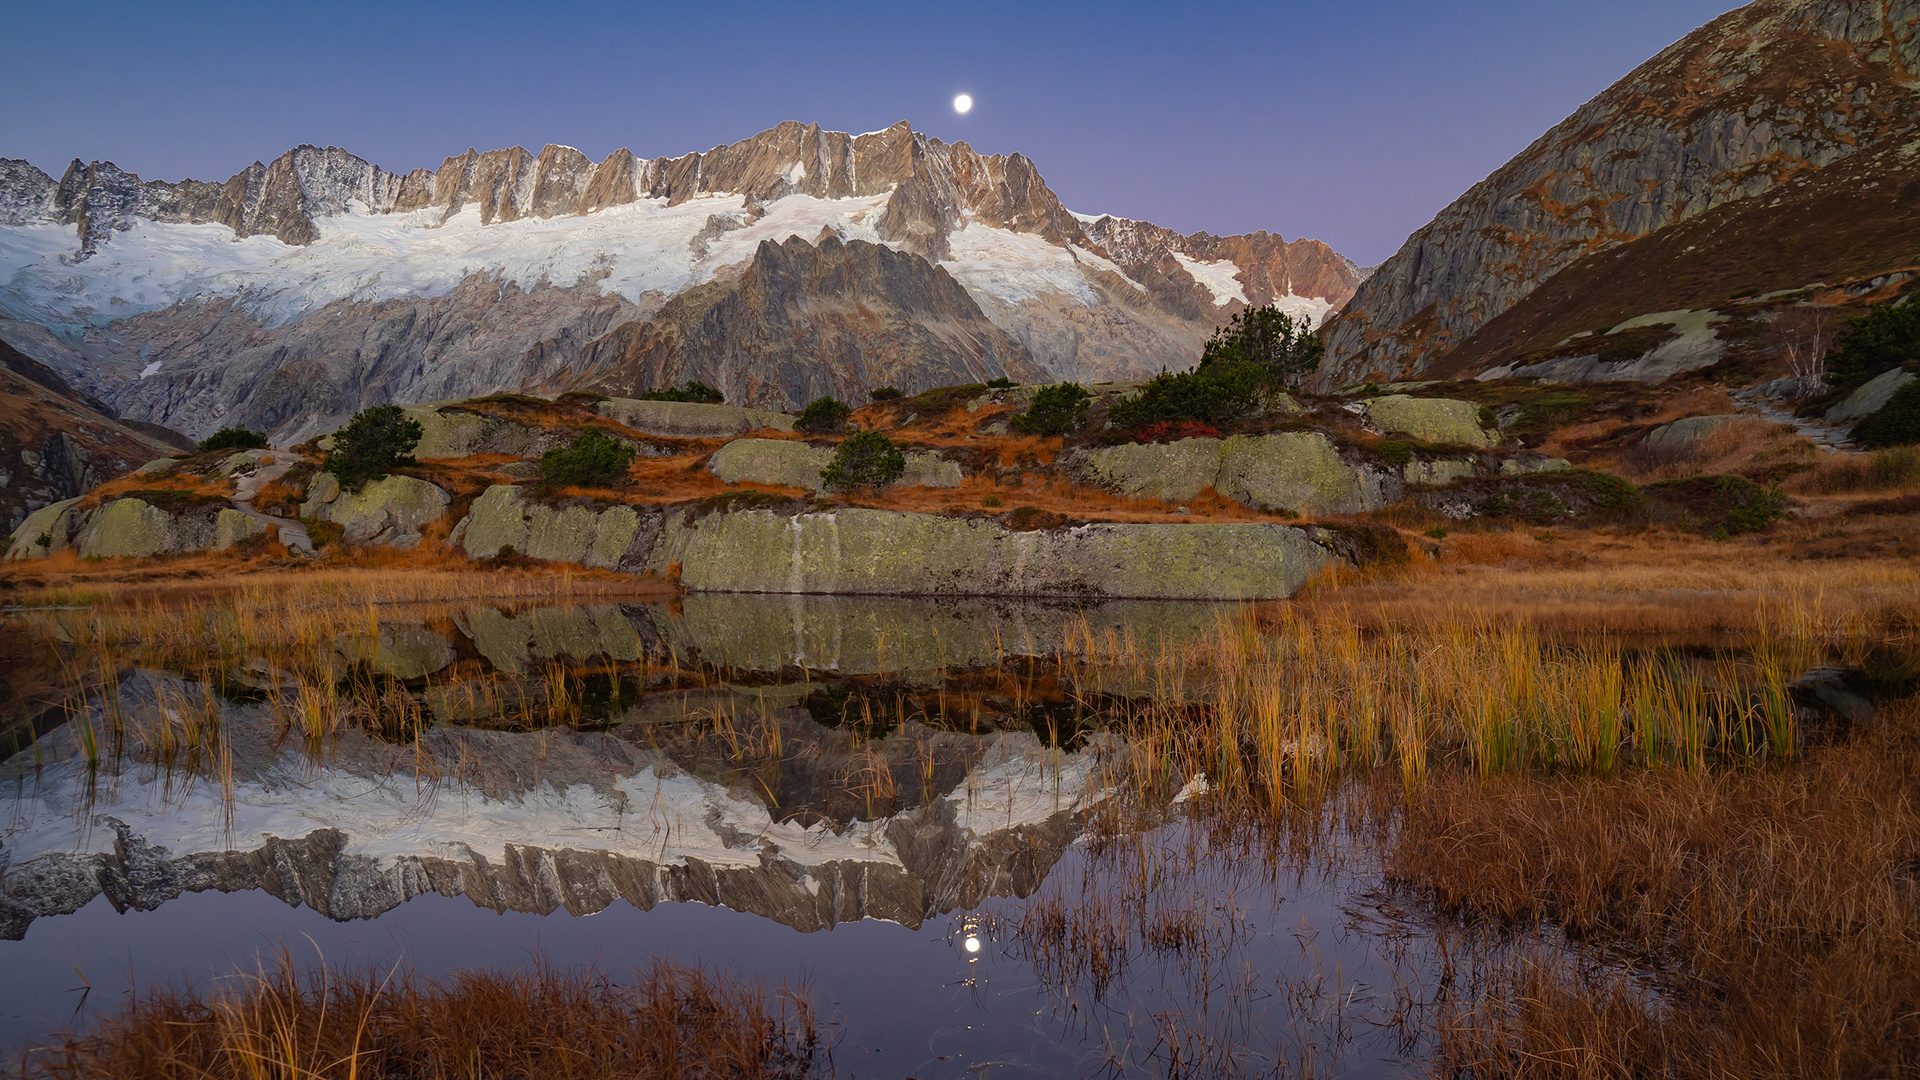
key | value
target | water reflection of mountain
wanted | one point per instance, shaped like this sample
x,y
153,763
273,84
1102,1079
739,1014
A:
x,y
834,825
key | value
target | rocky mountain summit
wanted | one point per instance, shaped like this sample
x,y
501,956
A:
x,y
300,290
1749,110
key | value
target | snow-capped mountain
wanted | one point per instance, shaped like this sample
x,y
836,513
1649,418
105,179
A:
x,y
301,290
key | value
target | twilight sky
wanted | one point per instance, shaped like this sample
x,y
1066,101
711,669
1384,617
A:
x,y
1353,122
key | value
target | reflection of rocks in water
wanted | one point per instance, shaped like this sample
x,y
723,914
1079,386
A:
x,y
545,820
849,634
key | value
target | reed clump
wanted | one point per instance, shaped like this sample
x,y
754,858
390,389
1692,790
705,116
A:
x,y
670,1021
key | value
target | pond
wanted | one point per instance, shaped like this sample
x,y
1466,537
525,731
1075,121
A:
x,y
931,818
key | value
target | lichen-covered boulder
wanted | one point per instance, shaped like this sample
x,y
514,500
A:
x,y
787,463
1299,471
1445,421
1678,436
455,433
609,537
389,511
864,551
230,527
45,531
157,465
778,462
1870,397
1172,472
690,420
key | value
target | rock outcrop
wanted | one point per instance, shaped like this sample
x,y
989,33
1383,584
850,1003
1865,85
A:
x,y
1758,102
131,528
1297,471
856,551
1444,421
389,511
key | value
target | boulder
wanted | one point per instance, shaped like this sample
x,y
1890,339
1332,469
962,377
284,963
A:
x,y
1299,471
778,462
1172,472
1676,437
863,551
1871,397
45,531
690,420
1446,421
787,463
158,465
388,511
612,537
133,528
1302,472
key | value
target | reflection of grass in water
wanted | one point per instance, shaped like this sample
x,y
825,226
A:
x,y
667,1021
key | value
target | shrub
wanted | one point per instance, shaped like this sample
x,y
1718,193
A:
x,y
593,459
1896,424
1717,505
884,393
1882,339
1269,339
824,416
1219,395
233,438
1001,383
1056,410
868,460
1395,452
373,443
697,392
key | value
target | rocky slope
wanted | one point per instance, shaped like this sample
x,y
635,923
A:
x,y
299,290
1760,99
804,322
55,445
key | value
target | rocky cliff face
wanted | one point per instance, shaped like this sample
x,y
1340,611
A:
x,y
804,322
54,445
1761,97
343,286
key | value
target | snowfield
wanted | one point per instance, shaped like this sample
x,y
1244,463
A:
x,y
643,247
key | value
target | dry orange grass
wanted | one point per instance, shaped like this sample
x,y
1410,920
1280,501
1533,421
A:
x,y
1777,908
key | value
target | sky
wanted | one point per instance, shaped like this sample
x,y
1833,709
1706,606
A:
x,y
1353,122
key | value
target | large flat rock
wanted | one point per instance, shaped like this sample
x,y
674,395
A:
x,y
1300,471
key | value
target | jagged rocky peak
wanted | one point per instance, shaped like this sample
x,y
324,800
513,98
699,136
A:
x,y
807,320
1267,267
1760,96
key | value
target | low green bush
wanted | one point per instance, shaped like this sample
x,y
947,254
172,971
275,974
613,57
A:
x,y
1056,410
1881,340
1001,383
866,460
698,392
824,416
884,393
375,442
593,459
1395,452
1896,424
234,438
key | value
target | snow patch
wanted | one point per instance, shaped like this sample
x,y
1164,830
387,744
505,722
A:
x,y
1217,276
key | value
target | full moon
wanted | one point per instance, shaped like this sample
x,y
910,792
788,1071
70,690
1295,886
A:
x,y
963,104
